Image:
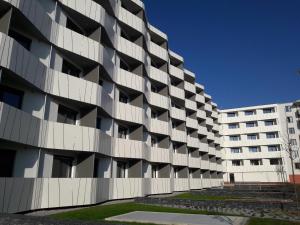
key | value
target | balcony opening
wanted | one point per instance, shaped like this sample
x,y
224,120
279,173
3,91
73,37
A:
x,y
11,96
71,69
66,115
7,158
20,38
131,65
133,8
154,171
62,167
123,98
73,26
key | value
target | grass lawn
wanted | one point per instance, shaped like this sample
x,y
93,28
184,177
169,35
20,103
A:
x,y
105,211
202,197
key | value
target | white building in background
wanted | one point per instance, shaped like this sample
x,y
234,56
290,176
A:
x,y
94,107
255,142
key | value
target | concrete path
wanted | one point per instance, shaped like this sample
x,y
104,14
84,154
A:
x,y
178,218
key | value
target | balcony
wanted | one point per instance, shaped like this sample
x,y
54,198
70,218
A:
x,y
177,92
180,159
129,113
219,168
130,49
127,188
125,148
158,51
161,155
192,142
214,115
191,104
206,182
192,123
194,162
131,20
158,75
178,135
159,127
189,87
209,122
213,166
159,100
208,107
204,164
130,80
202,130
176,72
195,183
178,114
203,147
210,136
157,186
211,150
200,98
201,114
181,184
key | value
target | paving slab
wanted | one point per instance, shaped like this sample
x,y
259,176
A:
x,y
178,218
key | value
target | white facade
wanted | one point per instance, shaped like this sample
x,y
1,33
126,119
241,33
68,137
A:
x,y
255,143
95,107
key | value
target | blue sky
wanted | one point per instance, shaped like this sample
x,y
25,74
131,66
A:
x,y
245,52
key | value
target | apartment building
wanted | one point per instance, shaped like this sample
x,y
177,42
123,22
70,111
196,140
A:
x,y
255,143
94,106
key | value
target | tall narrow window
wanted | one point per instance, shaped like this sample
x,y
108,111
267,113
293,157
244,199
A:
x,y
121,169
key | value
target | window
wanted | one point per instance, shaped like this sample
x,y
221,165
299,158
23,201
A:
x,y
11,96
66,115
276,161
153,142
297,166
289,119
291,130
288,108
250,112
234,138
256,162
123,97
237,163
268,110
70,69
98,123
123,132
7,159
231,114
174,147
154,171
251,124
62,167
236,150
293,142
273,148
233,125
121,169
270,122
21,39
272,135
254,149
252,137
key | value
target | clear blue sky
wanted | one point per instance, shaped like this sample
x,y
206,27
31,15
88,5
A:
x,y
245,52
